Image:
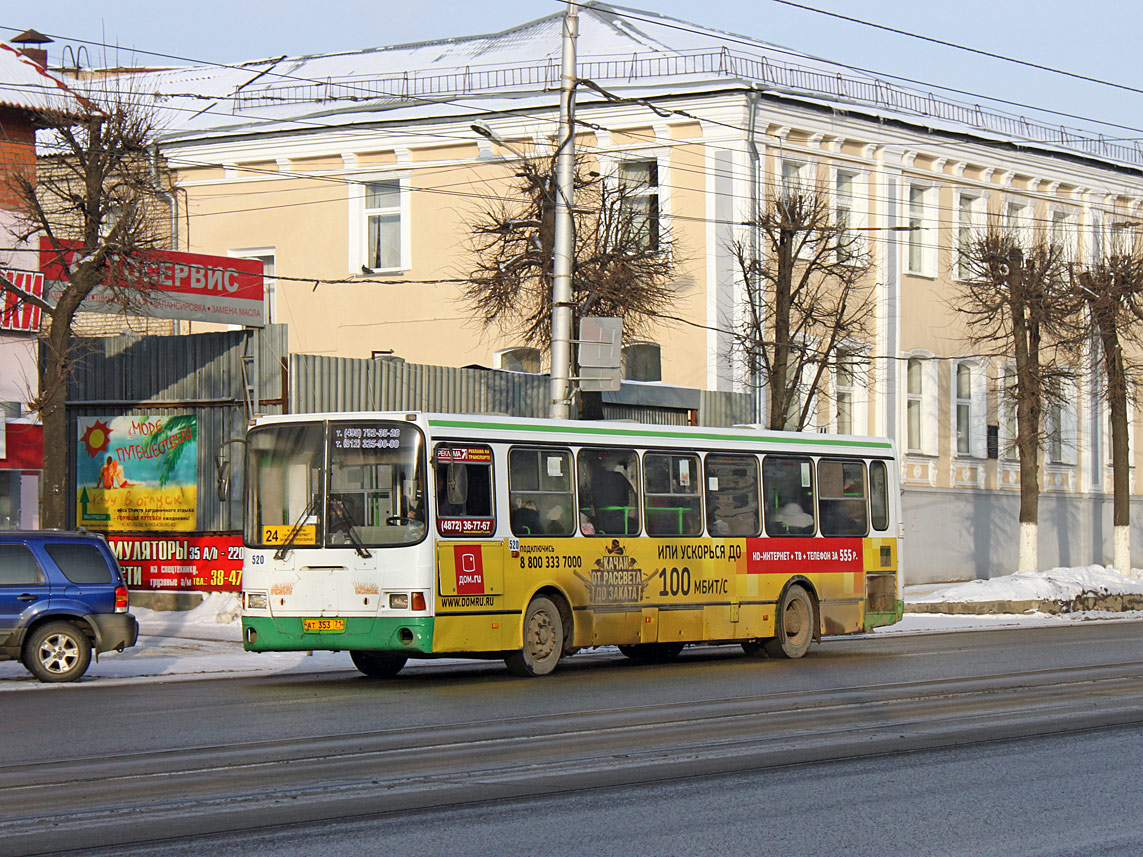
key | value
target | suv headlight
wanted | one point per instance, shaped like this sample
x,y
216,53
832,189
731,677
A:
x,y
256,601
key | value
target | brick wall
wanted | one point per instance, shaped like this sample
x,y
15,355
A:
x,y
17,152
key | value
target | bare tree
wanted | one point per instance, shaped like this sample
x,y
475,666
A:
x,y
97,206
806,303
624,262
1112,290
1017,304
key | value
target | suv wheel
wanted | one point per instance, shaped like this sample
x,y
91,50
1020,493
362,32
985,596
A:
x,y
58,651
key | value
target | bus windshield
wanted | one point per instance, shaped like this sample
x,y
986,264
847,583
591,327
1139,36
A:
x,y
372,494
376,484
284,485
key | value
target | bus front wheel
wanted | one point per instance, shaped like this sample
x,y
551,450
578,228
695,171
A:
x,y
543,642
378,664
794,629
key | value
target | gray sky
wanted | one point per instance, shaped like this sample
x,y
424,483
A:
x,y
1097,38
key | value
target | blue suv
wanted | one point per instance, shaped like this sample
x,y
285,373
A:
x,y
62,597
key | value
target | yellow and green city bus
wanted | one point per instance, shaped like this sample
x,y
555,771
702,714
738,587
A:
x,y
410,535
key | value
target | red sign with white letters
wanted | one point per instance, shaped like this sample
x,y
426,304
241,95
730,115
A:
x,y
16,314
172,284
469,570
803,556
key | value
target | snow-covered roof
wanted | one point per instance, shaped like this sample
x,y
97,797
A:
x,y
629,52
25,85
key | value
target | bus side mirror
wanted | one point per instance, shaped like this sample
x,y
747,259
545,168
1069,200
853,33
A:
x,y
223,480
222,469
456,484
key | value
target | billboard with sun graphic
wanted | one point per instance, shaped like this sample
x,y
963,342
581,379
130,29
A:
x,y
136,473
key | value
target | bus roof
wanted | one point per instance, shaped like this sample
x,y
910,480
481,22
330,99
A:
x,y
489,428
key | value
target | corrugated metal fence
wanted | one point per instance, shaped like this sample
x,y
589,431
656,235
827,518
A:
x,y
319,383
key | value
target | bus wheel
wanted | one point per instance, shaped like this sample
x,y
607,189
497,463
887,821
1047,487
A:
x,y
794,629
652,653
378,664
543,640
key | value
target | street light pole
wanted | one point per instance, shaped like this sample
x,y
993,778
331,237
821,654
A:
x,y
563,250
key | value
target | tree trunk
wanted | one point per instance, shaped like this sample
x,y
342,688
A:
x,y
779,380
1120,461
53,415
1029,404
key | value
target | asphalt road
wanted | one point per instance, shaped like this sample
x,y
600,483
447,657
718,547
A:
x,y
1030,737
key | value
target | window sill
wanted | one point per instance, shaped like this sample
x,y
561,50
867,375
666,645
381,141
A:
x,y
920,275
370,273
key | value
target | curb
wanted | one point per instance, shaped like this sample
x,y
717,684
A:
x,y
1109,602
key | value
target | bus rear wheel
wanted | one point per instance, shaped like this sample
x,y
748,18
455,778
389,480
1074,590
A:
x,y
543,642
378,664
794,629
652,653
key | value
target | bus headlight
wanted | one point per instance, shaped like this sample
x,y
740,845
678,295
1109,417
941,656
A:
x,y
398,601
256,601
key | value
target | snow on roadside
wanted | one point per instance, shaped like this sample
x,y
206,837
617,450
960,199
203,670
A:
x,y
1057,584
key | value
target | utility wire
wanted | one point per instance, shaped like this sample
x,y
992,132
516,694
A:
x,y
960,47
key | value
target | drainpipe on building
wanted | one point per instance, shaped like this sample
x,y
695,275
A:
x,y
755,203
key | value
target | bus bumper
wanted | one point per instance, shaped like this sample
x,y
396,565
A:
x,y
876,620
405,634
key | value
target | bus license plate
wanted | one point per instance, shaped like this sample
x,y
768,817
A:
x,y
323,626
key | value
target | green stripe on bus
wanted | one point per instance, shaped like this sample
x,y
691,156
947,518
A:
x,y
813,440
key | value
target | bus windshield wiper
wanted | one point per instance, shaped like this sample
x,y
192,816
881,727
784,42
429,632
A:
x,y
310,509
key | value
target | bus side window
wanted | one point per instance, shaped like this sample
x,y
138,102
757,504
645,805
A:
x,y
732,495
788,491
879,495
464,490
608,498
841,498
671,495
540,492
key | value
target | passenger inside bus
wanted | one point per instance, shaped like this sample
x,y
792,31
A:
x,y
612,504
525,520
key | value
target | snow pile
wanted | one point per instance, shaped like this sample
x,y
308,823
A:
x,y
1058,584
217,608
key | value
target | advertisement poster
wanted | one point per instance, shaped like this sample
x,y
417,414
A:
x,y
202,563
136,473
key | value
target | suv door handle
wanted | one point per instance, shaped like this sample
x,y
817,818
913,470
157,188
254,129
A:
x,y
27,597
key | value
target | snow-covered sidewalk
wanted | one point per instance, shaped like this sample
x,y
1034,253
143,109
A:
x,y
206,642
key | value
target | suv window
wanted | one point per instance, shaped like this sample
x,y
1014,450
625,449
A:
x,y
18,567
80,563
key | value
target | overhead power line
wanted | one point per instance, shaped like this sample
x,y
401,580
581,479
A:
x,y
959,47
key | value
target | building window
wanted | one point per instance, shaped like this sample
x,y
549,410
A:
x,y
1062,233
1061,422
849,396
642,361
963,409
383,225
967,230
794,179
522,359
847,214
1018,221
920,255
914,407
639,189
969,429
1008,427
